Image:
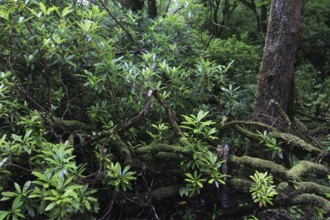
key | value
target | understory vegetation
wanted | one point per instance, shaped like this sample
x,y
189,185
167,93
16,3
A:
x,y
109,112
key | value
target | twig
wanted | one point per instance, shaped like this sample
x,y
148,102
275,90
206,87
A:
x,y
120,24
114,196
141,115
167,7
209,41
282,113
66,92
224,170
177,10
23,168
170,114
219,25
138,118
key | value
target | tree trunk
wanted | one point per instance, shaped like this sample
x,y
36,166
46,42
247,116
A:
x,y
134,5
277,67
263,18
152,8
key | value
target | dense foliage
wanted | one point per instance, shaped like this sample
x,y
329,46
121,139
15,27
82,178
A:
x,y
107,112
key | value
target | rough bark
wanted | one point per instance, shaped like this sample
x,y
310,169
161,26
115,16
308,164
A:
x,y
152,8
263,19
134,5
261,16
277,67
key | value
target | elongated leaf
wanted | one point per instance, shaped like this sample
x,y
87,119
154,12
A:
x,y
18,188
17,203
3,214
66,11
50,206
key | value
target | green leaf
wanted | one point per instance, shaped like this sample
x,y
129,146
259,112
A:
x,y
3,214
51,9
66,11
18,188
71,193
18,213
27,133
33,12
50,206
39,175
87,205
85,26
9,194
17,203
189,176
43,8
201,115
125,169
17,138
200,184
4,14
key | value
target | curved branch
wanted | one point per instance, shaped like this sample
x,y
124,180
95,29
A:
x,y
132,122
304,167
311,199
263,165
298,144
303,187
297,171
158,147
252,123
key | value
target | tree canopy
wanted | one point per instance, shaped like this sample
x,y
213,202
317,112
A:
x,y
186,109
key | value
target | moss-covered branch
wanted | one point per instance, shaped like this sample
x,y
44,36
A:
x,y
165,192
306,167
303,187
121,148
158,147
262,165
246,132
251,123
298,144
297,171
240,185
311,200
71,125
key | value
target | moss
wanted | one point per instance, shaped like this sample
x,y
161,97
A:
x,y
154,148
311,187
169,156
297,143
246,132
311,199
239,185
165,192
251,123
305,167
72,125
262,165
284,189
121,148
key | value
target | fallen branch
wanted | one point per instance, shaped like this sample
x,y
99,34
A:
x,y
138,118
